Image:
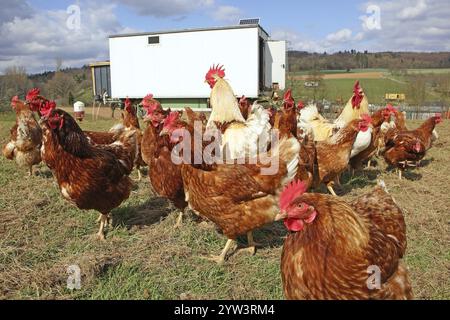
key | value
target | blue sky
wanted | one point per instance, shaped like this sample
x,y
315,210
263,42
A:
x,y
34,33
312,17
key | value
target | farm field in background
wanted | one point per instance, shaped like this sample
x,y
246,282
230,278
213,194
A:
x,y
144,257
338,84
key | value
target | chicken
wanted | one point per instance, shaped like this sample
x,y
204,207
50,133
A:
x,y
154,118
406,148
240,137
286,123
91,177
26,137
355,107
130,121
333,154
314,124
311,121
237,197
343,250
403,150
164,174
245,107
107,137
378,119
425,132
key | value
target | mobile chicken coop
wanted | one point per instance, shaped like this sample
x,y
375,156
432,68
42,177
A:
x,y
172,64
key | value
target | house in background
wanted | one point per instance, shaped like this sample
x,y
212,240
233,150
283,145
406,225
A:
x,y
172,64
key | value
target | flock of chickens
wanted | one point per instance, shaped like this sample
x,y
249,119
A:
x,y
331,242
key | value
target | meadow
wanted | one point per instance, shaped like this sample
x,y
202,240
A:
x,y
145,257
338,84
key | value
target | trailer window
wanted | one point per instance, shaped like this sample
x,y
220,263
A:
x,y
153,40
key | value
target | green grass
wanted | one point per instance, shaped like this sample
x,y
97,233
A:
x,y
144,257
375,89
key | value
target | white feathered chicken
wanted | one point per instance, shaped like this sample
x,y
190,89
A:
x,y
312,122
241,137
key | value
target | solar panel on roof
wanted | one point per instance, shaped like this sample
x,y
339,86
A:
x,y
249,21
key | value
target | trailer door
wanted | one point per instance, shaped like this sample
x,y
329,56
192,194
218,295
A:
x,y
277,51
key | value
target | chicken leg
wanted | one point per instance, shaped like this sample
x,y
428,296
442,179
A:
x,y
179,221
330,188
103,219
221,258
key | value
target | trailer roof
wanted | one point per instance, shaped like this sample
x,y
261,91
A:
x,y
190,30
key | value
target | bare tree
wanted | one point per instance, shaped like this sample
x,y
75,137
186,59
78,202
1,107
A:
x,y
14,82
60,86
416,91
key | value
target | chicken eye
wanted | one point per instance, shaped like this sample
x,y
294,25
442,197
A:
x,y
301,205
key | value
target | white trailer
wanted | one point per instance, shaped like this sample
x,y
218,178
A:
x,y
172,64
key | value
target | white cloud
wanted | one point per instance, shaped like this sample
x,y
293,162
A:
x,y
298,41
411,25
343,35
405,25
227,13
35,42
413,12
165,8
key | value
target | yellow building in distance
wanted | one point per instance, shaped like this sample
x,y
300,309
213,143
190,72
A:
x,y
395,97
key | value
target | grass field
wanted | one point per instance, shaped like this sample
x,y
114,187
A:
x,y
375,82
375,89
144,257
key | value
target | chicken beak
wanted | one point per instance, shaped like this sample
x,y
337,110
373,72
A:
x,y
164,132
281,216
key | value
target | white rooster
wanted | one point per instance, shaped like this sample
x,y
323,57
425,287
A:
x,y
241,137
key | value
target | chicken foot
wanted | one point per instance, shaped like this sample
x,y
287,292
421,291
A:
x,y
139,174
221,258
179,222
252,245
104,220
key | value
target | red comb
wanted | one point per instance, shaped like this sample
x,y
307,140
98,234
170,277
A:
x,y
391,109
149,104
365,117
242,100
300,105
148,97
171,118
290,192
357,95
218,70
356,87
46,109
288,95
438,117
32,94
128,106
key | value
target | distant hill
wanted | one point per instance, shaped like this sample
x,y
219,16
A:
x,y
64,86
300,60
